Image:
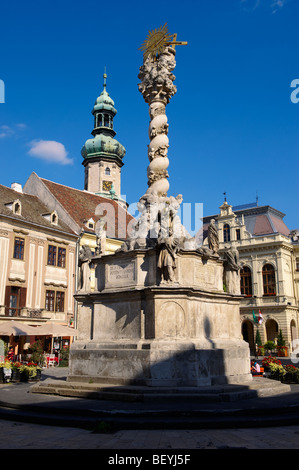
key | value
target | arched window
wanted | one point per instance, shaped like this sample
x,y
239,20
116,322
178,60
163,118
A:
x,y
54,218
107,171
269,283
106,120
226,233
99,118
248,334
293,333
246,283
17,208
271,330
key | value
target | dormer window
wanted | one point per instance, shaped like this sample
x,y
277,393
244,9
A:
x,y
90,224
54,218
17,208
51,217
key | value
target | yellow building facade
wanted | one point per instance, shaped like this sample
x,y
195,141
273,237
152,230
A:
x,y
37,261
269,272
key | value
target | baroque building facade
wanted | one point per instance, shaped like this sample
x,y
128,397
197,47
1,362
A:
x,y
269,273
86,214
44,226
37,260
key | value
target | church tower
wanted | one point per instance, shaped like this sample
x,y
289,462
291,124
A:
x,y
103,154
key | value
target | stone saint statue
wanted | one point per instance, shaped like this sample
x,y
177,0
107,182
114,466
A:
x,y
232,270
100,237
213,239
84,265
167,258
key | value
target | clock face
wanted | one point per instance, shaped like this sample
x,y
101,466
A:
x,y
107,185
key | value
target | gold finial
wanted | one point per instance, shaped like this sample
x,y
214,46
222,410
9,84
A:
x,y
157,40
105,76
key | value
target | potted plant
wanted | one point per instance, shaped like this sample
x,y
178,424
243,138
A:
x,y
37,352
269,346
267,361
277,371
1,372
282,350
64,357
291,375
31,372
16,372
6,371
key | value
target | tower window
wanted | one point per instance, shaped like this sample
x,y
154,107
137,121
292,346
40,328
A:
x,y
106,120
99,120
107,171
226,233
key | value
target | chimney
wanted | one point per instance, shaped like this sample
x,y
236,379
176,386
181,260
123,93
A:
x,y
17,187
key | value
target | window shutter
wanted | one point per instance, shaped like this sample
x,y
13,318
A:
x,y
7,296
22,301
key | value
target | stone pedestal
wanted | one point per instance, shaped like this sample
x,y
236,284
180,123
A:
x,y
137,329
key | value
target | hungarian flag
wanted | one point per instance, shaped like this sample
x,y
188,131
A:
x,y
260,318
254,317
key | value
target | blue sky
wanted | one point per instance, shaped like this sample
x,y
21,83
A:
x,y
232,124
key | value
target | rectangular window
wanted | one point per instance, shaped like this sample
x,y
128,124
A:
x,y
52,255
61,257
50,300
269,282
297,264
54,301
59,301
238,234
15,300
19,248
56,256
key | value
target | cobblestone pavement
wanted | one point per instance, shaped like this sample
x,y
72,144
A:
x,y
22,435
16,435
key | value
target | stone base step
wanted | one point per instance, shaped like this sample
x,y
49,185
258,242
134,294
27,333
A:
x,y
258,387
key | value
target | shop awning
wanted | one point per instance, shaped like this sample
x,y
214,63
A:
x,y
55,329
11,327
